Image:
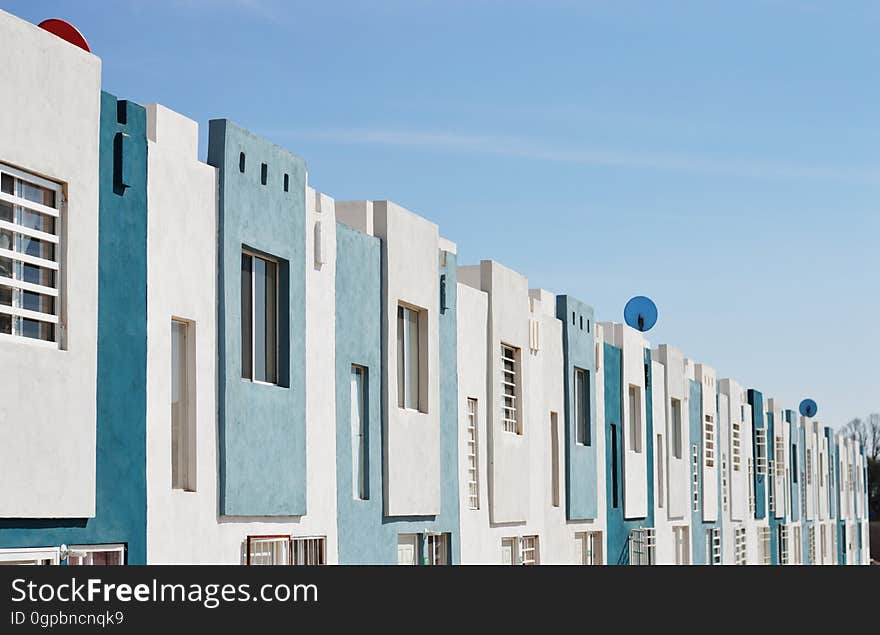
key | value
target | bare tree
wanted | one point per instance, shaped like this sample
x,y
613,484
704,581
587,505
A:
x,y
857,430
873,448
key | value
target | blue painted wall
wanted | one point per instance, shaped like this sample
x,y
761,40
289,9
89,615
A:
x,y
579,351
366,536
698,526
262,428
618,527
796,438
756,401
120,503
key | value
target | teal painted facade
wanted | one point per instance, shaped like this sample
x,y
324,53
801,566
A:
x,y
617,526
798,470
262,427
579,352
365,534
121,492
756,401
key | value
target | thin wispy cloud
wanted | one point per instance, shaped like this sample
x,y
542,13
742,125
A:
x,y
526,149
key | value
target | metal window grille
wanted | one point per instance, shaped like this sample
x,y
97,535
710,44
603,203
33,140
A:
x,y
641,546
780,457
783,544
740,545
764,544
713,545
309,551
268,550
438,548
590,543
473,477
509,369
30,256
736,444
761,451
771,490
529,550
709,441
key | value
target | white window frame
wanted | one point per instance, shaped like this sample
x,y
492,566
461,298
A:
x,y
529,551
771,489
736,446
473,453
511,417
437,547
695,478
16,313
254,255
185,460
779,461
713,545
783,546
764,545
751,486
359,420
661,472
709,441
31,556
411,372
276,548
634,403
724,495
86,553
811,544
677,431
681,540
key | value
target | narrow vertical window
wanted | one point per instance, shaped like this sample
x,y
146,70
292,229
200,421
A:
x,y
695,479
259,318
554,459
736,444
182,425
509,389
635,419
761,451
582,406
408,358
661,476
286,182
676,428
614,465
473,474
264,174
709,441
359,445
241,162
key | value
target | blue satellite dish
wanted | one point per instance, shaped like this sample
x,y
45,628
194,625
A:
x,y
808,408
640,313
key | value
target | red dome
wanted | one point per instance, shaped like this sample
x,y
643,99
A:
x,y
66,31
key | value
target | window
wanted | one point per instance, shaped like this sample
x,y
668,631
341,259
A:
x,y
635,419
779,444
764,545
589,544
736,446
809,466
771,489
713,545
681,537
796,545
438,549
695,476
761,451
473,474
359,444
42,556
811,544
661,476
582,406
259,318
268,550
183,429
724,481
96,555
614,466
794,464
751,486
783,544
308,551
709,441
676,428
641,546
823,543
554,459
509,389
739,534
264,174
407,549
821,470
241,162
30,249
410,358
529,554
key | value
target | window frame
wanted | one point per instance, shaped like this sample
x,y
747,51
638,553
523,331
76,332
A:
x,y
190,431
634,402
31,555
473,452
253,254
675,415
582,407
590,548
57,238
360,448
90,550
515,425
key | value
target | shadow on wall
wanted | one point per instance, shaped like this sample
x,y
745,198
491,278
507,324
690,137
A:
x,y
875,542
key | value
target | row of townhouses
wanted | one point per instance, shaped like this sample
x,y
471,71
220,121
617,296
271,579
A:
x,y
211,362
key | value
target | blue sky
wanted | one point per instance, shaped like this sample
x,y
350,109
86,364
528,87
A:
x,y
722,158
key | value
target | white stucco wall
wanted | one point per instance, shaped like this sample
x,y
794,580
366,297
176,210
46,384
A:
x,y
49,127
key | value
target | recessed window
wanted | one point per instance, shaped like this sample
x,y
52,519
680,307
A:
x,y
675,408
635,418
764,545
736,445
407,549
359,445
554,459
259,318
739,537
614,487
510,415
582,322
473,474
589,547
661,476
709,441
183,437
41,556
582,406
286,182
529,551
642,546
695,478
241,162
264,174
761,451
412,358
267,550
713,545
30,246
437,546
96,555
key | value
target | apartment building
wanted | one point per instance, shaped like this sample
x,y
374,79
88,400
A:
x,y
212,362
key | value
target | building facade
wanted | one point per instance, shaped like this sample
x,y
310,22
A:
x,y
211,362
